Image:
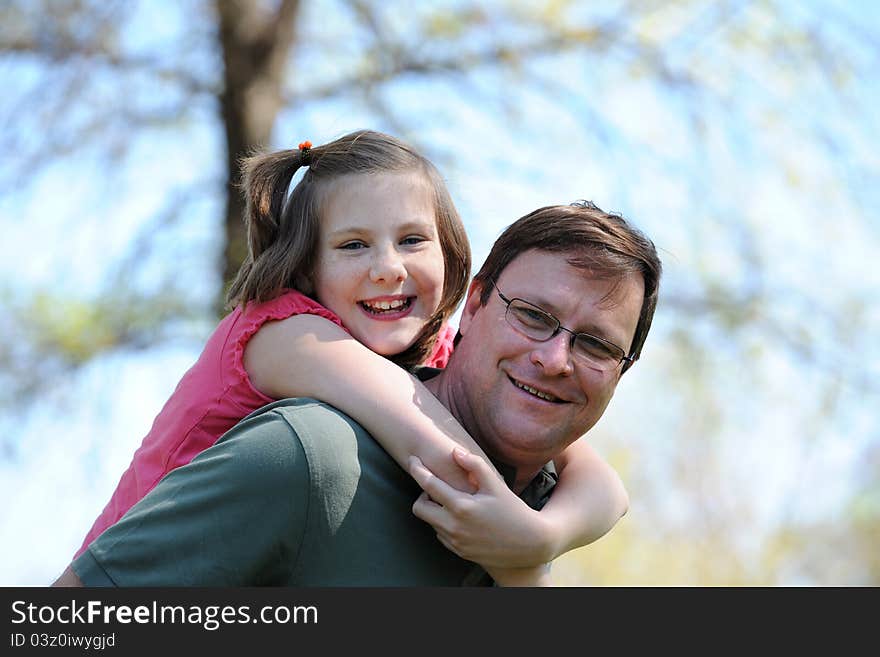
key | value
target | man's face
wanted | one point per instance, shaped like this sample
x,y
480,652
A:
x,y
499,369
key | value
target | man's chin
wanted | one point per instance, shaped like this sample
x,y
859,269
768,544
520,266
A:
x,y
527,444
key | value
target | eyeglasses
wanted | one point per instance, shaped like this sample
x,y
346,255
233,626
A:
x,y
537,324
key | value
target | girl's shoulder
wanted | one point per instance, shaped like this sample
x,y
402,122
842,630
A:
x,y
243,324
289,303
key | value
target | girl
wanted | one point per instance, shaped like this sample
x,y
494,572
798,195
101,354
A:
x,y
366,258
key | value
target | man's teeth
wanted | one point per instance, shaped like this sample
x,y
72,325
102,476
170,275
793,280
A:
x,y
535,391
385,305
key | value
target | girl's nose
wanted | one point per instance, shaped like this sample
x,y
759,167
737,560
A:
x,y
387,267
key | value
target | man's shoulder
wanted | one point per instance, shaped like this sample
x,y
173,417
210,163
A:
x,y
326,434
298,412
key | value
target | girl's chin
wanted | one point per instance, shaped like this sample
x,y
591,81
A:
x,y
389,351
388,347
390,338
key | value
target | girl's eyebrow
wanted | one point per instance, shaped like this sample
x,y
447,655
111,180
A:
x,y
423,226
347,229
411,225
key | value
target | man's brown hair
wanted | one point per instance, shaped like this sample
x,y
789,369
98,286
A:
x,y
602,244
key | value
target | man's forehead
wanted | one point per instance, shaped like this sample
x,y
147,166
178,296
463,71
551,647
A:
x,y
547,274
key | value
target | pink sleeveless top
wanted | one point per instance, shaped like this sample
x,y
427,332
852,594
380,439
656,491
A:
x,y
212,397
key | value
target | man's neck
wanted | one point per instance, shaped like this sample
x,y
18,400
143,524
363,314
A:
x,y
443,388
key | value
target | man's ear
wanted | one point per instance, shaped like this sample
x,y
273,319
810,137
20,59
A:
x,y
471,306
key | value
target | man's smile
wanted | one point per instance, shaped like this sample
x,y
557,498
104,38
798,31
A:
x,y
536,392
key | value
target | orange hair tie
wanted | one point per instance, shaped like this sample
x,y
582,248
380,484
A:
x,y
305,150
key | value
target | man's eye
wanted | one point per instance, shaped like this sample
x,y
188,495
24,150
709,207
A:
x,y
532,317
595,348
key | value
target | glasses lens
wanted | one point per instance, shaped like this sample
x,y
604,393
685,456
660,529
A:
x,y
531,320
601,354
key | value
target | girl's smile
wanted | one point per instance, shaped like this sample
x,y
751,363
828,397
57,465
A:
x,y
387,308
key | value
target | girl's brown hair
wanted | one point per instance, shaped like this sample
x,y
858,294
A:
x,y
283,230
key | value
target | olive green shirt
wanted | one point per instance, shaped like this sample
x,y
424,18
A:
x,y
297,494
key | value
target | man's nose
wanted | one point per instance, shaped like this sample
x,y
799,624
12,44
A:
x,y
387,266
554,355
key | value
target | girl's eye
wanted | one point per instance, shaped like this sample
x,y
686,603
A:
x,y
352,246
412,240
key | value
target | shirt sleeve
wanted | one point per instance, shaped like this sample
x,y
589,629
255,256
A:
x,y
252,320
234,516
443,346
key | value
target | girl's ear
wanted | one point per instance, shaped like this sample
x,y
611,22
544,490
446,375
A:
x,y
471,305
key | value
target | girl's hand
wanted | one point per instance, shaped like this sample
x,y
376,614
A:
x,y
492,526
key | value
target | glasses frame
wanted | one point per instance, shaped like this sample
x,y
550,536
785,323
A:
x,y
628,359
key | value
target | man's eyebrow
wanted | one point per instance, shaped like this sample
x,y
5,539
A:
x,y
540,302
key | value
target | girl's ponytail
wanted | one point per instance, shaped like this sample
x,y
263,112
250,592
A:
x,y
265,181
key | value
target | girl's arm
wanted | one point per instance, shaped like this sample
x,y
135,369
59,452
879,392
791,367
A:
x,y
588,500
309,356
534,576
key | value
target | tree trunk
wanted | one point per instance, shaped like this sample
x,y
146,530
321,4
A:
x,y
256,43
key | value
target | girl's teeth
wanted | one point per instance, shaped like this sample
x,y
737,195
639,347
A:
x,y
385,305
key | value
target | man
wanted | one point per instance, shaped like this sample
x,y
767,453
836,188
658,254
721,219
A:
x,y
298,494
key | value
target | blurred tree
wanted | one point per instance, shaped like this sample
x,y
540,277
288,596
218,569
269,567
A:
x,y
88,80
90,86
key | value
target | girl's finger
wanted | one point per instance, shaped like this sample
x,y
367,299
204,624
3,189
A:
x,y
439,490
445,543
432,513
480,473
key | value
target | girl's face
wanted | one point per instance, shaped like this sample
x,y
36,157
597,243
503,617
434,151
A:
x,y
380,266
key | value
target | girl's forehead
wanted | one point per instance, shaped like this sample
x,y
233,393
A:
x,y
376,200
353,186
413,177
